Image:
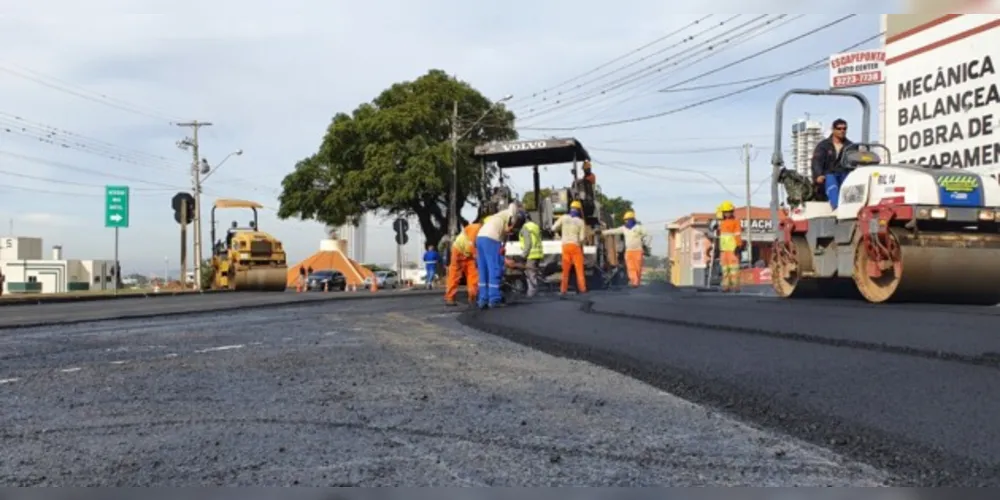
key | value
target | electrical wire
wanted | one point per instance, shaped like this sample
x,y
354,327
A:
x,y
696,104
624,56
764,51
712,48
641,73
67,87
648,88
668,152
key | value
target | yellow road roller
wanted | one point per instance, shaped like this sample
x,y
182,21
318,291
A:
x,y
248,259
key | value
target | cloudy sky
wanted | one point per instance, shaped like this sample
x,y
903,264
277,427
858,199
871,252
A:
x,y
93,91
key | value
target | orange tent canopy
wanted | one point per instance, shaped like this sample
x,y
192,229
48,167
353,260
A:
x,y
327,260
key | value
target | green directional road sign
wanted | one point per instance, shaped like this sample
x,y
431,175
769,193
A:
x,y
116,206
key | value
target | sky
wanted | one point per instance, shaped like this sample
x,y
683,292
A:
x,y
94,92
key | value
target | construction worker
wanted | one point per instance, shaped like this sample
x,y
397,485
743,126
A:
x,y
730,244
463,262
531,249
588,174
636,245
431,258
489,259
572,228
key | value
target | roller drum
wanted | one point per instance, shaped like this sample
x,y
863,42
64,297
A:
x,y
270,279
945,268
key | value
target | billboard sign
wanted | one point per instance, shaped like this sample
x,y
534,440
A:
x,y
857,69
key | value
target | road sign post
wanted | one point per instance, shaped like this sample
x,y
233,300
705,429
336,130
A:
x,y
116,204
400,226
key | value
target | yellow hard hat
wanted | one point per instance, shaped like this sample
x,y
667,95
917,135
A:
x,y
727,206
628,215
576,204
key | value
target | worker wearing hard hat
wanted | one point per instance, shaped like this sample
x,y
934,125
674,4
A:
x,y
463,262
636,245
730,244
489,260
531,249
572,228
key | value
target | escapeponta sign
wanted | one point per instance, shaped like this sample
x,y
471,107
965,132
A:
x,y
942,101
857,69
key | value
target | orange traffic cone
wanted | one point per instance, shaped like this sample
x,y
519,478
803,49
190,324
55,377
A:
x,y
374,287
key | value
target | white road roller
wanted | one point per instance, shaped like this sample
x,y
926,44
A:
x,y
901,232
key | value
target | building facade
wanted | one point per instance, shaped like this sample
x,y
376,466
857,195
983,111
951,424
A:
x,y
805,135
26,270
356,236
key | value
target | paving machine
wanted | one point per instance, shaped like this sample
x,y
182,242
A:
x,y
602,254
248,259
901,232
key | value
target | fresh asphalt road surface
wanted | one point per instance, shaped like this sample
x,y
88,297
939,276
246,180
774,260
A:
x,y
907,388
138,307
390,392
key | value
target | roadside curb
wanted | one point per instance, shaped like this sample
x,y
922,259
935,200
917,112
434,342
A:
x,y
62,299
215,308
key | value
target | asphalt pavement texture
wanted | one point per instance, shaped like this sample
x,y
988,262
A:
x,y
907,388
389,392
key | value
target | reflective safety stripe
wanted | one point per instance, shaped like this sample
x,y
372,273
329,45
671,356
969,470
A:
x,y
727,242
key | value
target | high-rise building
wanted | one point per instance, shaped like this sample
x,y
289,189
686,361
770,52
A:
x,y
355,235
805,135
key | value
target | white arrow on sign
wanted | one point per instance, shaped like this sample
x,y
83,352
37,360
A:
x,y
116,218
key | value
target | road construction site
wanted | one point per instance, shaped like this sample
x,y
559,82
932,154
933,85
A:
x,y
655,386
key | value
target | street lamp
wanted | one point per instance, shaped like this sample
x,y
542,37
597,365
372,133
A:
x,y
207,170
455,137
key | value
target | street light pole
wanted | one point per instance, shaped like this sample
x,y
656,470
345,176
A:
x,y
455,137
196,188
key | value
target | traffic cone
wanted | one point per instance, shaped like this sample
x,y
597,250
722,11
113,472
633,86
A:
x,y
374,287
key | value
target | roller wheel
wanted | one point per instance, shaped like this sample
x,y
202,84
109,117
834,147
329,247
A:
x,y
878,268
787,264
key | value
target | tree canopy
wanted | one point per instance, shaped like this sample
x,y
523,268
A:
x,y
393,156
616,206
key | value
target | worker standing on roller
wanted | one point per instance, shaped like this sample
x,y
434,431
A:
x,y
826,167
572,228
730,244
489,260
463,262
636,245
531,248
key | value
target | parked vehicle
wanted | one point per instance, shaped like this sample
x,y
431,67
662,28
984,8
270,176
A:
x,y
385,279
330,280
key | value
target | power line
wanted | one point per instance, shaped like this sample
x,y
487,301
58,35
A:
x,y
711,48
668,152
738,82
698,103
765,51
639,74
715,50
97,97
616,59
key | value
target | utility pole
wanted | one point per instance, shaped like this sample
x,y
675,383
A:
x,y
453,204
746,163
196,192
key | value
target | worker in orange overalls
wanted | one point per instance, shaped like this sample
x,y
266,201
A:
x,y
463,262
636,246
572,228
730,244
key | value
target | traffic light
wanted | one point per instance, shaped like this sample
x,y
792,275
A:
x,y
401,227
178,202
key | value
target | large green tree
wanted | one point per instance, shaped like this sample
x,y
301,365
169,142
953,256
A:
x,y
616,206
393,156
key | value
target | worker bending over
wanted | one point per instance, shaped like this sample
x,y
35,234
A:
x,y
636,243
531,249
489,260
463,262
730,244
572,228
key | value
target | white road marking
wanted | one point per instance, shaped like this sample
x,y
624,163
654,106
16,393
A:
x,y
8,380
171,355
70,370
119,362
221,348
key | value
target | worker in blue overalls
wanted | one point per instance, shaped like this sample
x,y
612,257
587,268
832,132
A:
x,y
431,259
